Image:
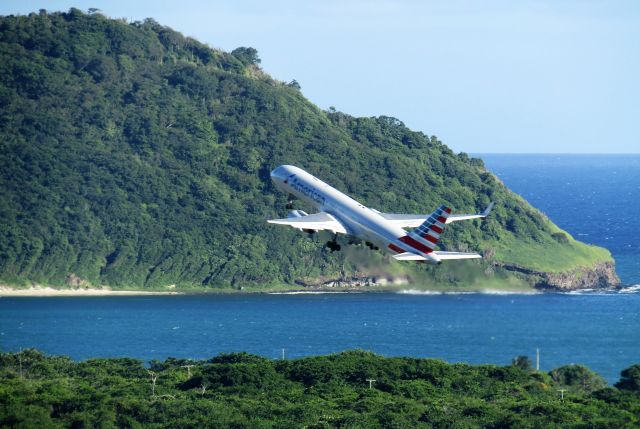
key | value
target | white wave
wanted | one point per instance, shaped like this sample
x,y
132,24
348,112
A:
x,y
630,289
310,292
510,292
635,289
582,292
419,292
467,292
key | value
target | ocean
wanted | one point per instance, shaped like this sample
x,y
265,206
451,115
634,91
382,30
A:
x,y
595,198
598,330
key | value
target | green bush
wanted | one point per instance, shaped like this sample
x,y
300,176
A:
x,y
242,390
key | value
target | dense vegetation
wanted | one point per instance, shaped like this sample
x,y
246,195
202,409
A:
x,y
133,156
242,390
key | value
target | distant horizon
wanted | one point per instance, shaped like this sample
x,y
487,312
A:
x,y
538,75
553,153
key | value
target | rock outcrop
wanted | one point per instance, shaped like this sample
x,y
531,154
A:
x,y
600,276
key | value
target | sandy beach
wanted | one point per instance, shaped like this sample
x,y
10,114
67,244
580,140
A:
x,y
49,291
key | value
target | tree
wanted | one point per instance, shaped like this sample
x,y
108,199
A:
x,y
294,84
246,55
243,390
630,379
578,377
522,362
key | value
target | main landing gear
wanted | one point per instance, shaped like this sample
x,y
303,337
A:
x,y
333,244
371,246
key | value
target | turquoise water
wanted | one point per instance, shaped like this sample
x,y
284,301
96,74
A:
x,y
600,331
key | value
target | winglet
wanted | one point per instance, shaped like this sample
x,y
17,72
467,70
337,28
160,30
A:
x,y
486,211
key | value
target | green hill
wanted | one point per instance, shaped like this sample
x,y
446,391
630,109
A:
x,y
132,156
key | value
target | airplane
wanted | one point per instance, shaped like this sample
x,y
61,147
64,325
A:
x,y
340,214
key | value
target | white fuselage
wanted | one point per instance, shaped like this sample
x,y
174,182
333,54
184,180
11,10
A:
x,y
358,220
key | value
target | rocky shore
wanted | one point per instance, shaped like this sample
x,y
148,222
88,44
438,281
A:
x,y
600,276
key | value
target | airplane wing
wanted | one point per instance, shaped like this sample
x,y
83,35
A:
x,y
437,256
317,222
414,221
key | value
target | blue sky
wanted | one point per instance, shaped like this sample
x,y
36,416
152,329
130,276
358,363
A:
x,y
491,76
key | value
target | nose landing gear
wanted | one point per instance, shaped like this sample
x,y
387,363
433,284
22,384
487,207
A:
x,y
289,205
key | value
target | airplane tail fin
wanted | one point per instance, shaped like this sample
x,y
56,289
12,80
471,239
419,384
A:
x,y
429,232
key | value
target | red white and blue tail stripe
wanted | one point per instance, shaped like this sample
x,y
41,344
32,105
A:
x,y
426,236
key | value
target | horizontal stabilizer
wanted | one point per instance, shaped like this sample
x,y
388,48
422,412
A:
x,y
317,222
408,256
455,255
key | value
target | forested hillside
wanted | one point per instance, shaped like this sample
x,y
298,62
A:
x,y
247,391
132,156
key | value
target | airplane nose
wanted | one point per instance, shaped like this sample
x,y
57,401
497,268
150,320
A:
x,y
279,174
284,173
280,177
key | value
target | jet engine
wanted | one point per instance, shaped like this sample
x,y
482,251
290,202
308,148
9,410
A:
x,y
300,213
297,213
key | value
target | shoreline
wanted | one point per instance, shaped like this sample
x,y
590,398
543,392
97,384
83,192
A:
x,y
45,291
